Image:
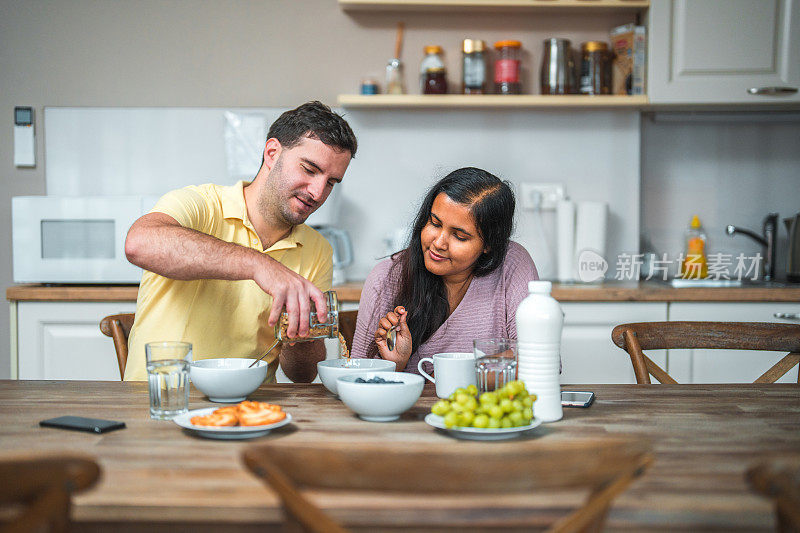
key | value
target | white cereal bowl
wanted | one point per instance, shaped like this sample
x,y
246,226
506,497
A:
x,y
331,369
380,402
227,380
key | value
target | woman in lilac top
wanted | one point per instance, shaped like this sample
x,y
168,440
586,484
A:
x,y
460,278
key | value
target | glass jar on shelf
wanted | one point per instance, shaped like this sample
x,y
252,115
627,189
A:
x,y
506,67
433,75
394,77
595,68
473,79
368,86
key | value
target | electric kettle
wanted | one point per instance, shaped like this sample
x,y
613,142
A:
x,y
793,252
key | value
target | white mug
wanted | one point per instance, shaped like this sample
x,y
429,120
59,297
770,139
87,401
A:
x,y
452,370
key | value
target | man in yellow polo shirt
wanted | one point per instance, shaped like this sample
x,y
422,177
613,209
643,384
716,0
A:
x,y
221,263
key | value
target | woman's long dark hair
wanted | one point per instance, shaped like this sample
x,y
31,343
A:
x,y
423,294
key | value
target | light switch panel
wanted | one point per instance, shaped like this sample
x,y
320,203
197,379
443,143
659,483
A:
x,y
541,195
24,138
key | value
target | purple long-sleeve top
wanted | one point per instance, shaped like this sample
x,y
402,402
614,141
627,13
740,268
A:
x,y
487,310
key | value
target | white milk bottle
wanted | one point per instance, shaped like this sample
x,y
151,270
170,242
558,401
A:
x,y
539,322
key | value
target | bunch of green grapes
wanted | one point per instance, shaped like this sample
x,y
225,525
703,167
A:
x,y
506,407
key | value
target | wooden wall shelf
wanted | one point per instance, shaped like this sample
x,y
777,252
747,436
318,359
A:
x,y
533,5
463,101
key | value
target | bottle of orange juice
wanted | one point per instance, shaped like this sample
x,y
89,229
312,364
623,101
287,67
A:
x,y
695,265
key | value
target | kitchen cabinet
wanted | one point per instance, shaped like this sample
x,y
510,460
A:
x,y
587,353
727,366
44,319
62,340
47,330
709,52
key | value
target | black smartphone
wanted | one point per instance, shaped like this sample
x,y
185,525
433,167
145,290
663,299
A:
x,y
576,399
79,423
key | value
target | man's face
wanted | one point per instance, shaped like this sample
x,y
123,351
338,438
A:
x,y
303,177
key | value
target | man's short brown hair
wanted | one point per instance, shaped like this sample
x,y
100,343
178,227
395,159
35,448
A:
x,y
315,120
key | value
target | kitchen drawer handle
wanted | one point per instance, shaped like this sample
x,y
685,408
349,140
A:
x,y
772,91
788,316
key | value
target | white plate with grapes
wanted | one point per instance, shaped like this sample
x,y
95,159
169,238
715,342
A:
x,y
480,433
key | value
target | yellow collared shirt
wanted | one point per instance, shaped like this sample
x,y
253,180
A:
x,y
220,318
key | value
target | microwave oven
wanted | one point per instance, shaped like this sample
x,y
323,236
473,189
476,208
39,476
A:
x,y
74,239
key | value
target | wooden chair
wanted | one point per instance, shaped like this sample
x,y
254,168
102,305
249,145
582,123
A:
x,y
633,338
118,327
38,489
347,326
779,479
605,467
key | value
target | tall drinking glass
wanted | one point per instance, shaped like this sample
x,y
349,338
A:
x,y
168,376
495,362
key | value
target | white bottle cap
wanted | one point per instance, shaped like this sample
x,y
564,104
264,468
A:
x,y
540,287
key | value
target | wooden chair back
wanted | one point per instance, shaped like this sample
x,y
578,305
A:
x,y
765,336
118,327
779,480
38,490
347,326
605,467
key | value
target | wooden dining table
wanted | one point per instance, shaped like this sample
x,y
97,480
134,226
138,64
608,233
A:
x,y
159,477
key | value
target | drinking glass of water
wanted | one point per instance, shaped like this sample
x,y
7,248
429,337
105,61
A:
x,y
168,376
495,362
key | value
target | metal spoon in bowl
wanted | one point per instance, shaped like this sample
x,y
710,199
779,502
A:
x,y
274,344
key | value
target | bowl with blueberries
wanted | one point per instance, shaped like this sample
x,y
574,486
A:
x,y
380,396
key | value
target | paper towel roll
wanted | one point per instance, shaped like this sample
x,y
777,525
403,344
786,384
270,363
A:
x,y
565,231
590,228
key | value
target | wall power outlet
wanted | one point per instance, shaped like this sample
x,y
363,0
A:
x,y
541,195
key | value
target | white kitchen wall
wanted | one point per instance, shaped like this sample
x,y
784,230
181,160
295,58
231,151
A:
x,y
595,154
122,151
727,169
